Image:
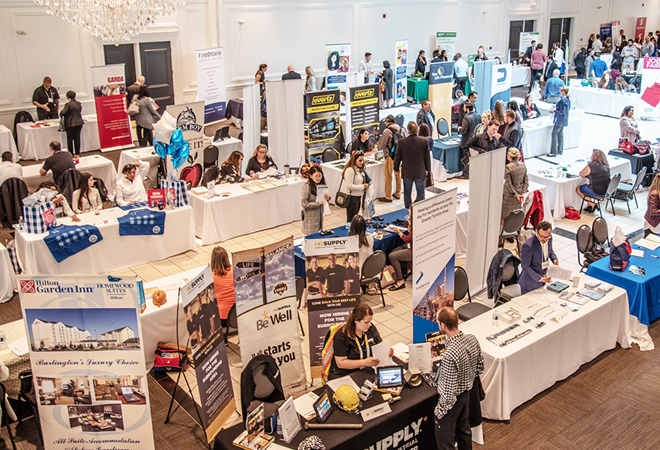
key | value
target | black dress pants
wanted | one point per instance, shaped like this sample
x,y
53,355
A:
x,y
353,207
73,139
454,426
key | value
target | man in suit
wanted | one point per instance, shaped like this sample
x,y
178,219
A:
x,y
535,258
529,51
467,130
511,136
425,115
291,74
413,154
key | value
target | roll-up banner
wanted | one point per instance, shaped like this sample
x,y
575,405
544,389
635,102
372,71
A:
x,y
337,66
401,73
649,104
441,77
209,352
500,87
264,280
211,83
322,109
446,40
190,118
640,28
109,86
333,288
88,366
605,31
364,111
526,39
434,241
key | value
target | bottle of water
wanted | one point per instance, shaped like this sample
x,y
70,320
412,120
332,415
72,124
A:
x,y
495,319
21,223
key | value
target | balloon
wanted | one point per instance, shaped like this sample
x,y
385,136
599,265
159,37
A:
x,y
179,149
161,149
164,128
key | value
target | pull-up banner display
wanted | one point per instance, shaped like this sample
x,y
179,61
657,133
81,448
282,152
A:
x,y
109,84
400,73
364,111
211,83
322,109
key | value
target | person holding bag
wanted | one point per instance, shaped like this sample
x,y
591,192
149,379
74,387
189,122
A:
x,y
355,178
628,126
312,209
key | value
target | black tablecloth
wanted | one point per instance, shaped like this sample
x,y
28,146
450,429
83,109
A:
x,y
234,109
636,161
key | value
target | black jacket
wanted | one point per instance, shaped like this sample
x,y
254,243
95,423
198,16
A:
x,y
468,127
12,193
482,142
525,111
413,153
273,373
72,113
514,136
291,76
254,165
496,269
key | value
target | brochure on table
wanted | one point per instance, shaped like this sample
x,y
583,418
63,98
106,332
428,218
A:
x,y
88,365
190,119
650,88
211,83
434,241
324,131
109,84
401,73
446,40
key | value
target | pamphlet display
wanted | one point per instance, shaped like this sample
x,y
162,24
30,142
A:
x,y
211,83
446,40
322,108
88,365
190,120
650,88
441,77
400,73
109,86
363,111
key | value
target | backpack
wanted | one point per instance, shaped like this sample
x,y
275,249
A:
x,y
395,139
328,352
620,256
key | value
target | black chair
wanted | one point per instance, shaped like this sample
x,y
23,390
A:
x,y
511,228
600,237
21,117
99,184
12,193
607,198
626,192
232,323
300,290
330,154
26,395
508,290
211,156
399,120
372,268
5,416
68,182
461,289
349,149
443,128
212,174
585,246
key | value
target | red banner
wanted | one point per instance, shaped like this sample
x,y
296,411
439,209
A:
x,y
110,98
640,28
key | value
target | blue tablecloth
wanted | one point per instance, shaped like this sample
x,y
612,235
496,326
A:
x,y
643,290
448,154
389,242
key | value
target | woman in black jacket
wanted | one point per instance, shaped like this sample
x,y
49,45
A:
x,y
388,79
73,123
260,161
580,62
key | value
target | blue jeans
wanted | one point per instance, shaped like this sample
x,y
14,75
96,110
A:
x,y
420,185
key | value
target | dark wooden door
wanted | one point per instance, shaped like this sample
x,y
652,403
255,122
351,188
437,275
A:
x,y
515,28
156,61
122,54
555,32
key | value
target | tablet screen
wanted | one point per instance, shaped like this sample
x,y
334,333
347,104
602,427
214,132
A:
x,y
391,376
323,407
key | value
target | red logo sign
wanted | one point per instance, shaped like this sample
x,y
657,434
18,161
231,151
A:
x,y
28,287
49,217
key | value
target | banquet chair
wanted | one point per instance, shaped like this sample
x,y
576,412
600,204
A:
x,y
12,193
585,245
399,119
511,228
210,175
330,154
607,198
211,156
68,182
5,416
372,268
349,149
508,290
300,290
443,128
232,323
600,236
21,117
626,192
461,289
382,126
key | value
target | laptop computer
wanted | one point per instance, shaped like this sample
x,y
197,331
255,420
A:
x,y
129,396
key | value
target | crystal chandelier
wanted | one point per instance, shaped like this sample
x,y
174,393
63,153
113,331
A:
x,y
111,20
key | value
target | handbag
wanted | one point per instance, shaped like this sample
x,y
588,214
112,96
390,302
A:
x,y
626,146
134,107
179,186
341,198
61,127
642,147
40,217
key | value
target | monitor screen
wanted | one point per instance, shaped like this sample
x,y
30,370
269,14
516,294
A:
x,y
390,376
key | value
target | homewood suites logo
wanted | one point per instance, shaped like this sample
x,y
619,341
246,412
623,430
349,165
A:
x,y
364,93
323,99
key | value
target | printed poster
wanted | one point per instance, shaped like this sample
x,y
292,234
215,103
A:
x,y
190,118
364,111
337,59
526,39
434,241
650,88
332,271
211,83
114,125
605,31
500,88
640,28
85,343
441,78
206,341
401,73
446,40
323,113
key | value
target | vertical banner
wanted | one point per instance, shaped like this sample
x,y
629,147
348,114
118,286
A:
x,y
400,73
605,31
650,88
446,40
114,124
616,38
88,367
434,244
209,352
332,269
211,83
500,86
190,118
441,77
337,66
640,28
364,111
526,39
322,109
266,304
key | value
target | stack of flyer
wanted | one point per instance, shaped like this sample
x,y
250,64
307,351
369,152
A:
x,y
254,437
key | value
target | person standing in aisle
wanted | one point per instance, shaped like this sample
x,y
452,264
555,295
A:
x,y
73,122
560,121
366,67
355,183
387,144
146,118
413,154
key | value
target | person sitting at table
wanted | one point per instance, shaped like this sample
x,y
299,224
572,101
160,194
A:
x,y
230,170
652,215
598,174
312,210
606,81
403,253
58,162
628,126
260,161
130,188
86,198
362,143
223,280
9,169
535,257
513,106
516,183
62,208
352,274
530,110
313,275
355,184
352,343
366,240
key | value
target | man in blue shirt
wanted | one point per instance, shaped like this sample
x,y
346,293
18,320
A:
x,y
598,67
460,72
551,92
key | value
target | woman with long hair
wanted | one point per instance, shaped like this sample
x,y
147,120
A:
x,y
355,184
312,210
628,126
260,78
606,81
230,170
333,61
86,198
590,42
652,216
388,79
310,80
486,117
513,106
365,240
530,110
498,116
260,161
443,55
362,143
598,174
223,280
425,132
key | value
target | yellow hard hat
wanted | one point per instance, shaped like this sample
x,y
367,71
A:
x,y
346,398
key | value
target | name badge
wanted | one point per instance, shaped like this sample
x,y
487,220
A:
x,y
50,99
544,265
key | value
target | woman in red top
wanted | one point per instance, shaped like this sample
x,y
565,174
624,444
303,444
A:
x,y
223,280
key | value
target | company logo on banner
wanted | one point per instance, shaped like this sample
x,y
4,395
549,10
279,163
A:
x,y
190,118
650,88
337,57
500,88
640,27
401,73
364,111
322,108
526,39
211,83
110,99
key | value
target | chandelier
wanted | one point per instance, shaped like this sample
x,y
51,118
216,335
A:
x,y
111,20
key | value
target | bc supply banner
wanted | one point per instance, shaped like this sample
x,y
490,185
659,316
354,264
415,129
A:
x,y
441,77
190,118
446,40
650,88
640,28
85,344
434,241
209,352
264,280
526,39
114,125
332,270
401,73
364,111
500,85
337,66
211,83
322,109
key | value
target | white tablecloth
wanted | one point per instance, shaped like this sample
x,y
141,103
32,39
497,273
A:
x,y
33,142
146,154
245,212
520,76
332,176
114,252
538,133
7,277
602,101
7,143
517,372
99,166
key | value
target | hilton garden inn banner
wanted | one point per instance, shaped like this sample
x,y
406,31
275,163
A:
x,y
85,344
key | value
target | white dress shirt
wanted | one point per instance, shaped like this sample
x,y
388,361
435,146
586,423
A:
x,y
460,67
87,204
9,169
132,192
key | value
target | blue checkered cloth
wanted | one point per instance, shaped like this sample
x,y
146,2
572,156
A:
x,y
13,257
66,240
134,206
143,222
34,217
180,195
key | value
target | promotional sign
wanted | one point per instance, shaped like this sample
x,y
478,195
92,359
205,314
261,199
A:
x,y
209,352
640,28
650,88
264,280
85,343
211,83
605,31
434,241
401,73
363,111
322,109
500,84
526,39
440,83
616,27
109,86
332,270
190,118
337,66
446,41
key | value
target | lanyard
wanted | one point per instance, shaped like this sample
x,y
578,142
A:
x,y
366,342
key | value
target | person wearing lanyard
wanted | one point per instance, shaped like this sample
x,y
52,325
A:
x,y
535,258
47,100
353,343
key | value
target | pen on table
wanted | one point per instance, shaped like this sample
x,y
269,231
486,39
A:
x,y
655,256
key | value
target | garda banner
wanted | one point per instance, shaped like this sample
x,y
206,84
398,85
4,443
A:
x,y
266,304
500,86
322,109
190,118
211,83
88,367
401,73
650,88
434,241
114,125
441,76
363,111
